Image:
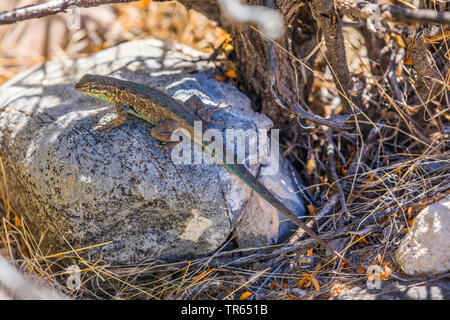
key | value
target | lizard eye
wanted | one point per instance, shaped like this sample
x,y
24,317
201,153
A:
x,y
87,82
96,85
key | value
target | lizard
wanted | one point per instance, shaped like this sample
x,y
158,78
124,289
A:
x,y
166,115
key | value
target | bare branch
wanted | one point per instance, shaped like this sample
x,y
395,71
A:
x,y
328,20
334,176
363,10
49,8
428,74
337,122
418,15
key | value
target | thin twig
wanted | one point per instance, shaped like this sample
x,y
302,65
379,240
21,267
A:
x,y
328,21
362,10
294,107
334,176
49,8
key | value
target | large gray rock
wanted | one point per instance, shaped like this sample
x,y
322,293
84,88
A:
x,y
426,247
82,187
394,290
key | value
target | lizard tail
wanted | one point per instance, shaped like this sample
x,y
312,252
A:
x,y
245,175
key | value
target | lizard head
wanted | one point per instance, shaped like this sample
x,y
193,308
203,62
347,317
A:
x,y
93,85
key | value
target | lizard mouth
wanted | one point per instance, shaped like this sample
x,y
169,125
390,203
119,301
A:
x,y
80,87
83,84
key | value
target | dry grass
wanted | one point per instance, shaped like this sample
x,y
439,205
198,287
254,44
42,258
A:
x,y
406,167
34,42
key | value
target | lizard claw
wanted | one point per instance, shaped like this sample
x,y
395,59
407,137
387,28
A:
x,y
165,147
213,110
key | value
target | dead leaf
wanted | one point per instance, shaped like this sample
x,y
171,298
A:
x,y
202,275
315,283
361,269
337,290
379,259
317,268
273,285
399,40
387,273
410,213
246,295
311,165
17,221
408,61
231,74
311,209
221,78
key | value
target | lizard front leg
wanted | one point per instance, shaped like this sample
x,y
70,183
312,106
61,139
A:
x,y
108,124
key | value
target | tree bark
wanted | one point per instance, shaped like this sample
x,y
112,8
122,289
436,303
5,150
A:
x,y
251,54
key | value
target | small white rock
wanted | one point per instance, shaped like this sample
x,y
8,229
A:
x,y
426,248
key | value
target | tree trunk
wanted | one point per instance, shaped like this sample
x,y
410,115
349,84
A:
x,y
250,46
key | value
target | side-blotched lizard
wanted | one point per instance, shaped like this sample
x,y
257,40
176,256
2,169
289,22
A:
x,y
166,115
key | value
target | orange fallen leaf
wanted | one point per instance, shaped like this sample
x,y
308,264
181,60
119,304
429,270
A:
x,y
409,212
399,40
246,295
362,239
311,209
398,170
291,115
227,46
308,280
142,4
224,37
311,165
302,282
317,268
408,61
379,259
447,116
221,78
361,268
202,275
315,283
386,273
342,265
17,222
337,290
273,285
231,74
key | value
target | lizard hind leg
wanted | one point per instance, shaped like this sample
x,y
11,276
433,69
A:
x,y
197,105
163,132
